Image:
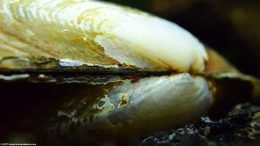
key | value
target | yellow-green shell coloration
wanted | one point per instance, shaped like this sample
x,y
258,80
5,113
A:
x,y
139,73
96,33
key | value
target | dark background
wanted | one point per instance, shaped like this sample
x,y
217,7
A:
x,y
232,27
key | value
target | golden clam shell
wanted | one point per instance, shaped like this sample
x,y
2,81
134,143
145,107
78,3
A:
x,y
127,73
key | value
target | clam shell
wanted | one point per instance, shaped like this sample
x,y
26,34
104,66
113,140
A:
x,y
131,109
138,73
123,57
95,33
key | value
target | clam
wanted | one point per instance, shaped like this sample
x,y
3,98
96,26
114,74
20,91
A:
x,y
119,72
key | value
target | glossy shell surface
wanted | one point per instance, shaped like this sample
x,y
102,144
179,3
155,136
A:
x,y
96,33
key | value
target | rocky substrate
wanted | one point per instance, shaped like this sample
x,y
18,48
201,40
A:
x,y
241,126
